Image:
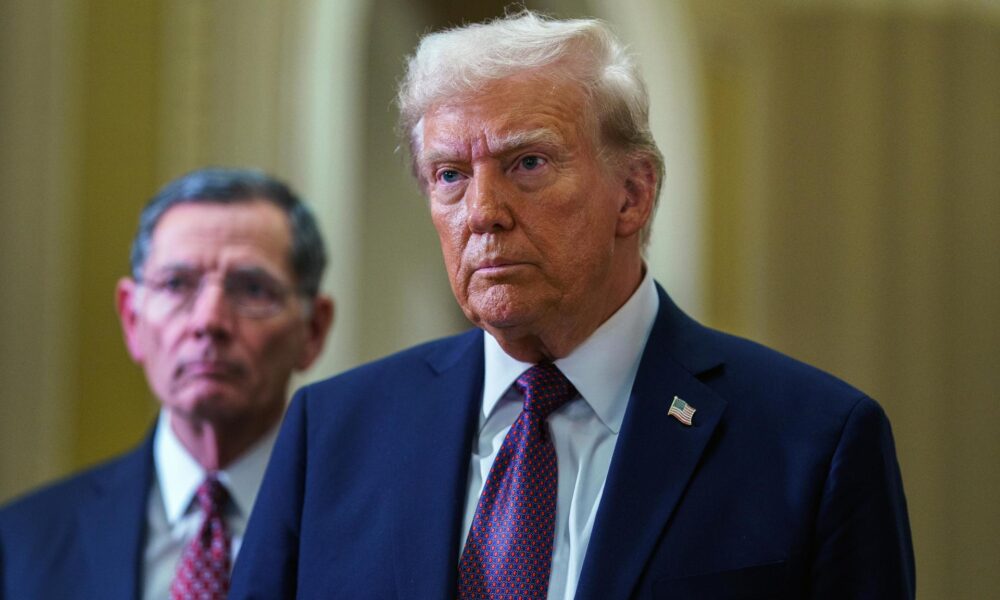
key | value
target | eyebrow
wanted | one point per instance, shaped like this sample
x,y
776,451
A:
x,y
499,143
171,268
254,270
503,143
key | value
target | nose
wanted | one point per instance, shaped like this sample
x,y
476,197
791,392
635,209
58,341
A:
x,y
487,203
211,314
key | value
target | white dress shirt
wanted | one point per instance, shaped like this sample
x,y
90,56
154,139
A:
x,y
172,519
584,432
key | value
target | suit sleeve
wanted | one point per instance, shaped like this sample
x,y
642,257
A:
x,y
862,544
267,564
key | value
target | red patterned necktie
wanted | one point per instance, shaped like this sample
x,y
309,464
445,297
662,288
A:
x,y
203,571
508,554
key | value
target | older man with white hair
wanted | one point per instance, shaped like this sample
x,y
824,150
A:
x,y
587,439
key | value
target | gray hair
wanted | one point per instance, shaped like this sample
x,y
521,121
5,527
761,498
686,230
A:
x,y
233,186
460,61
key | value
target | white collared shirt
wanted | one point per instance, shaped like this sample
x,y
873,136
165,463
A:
x,y
172,519
584,432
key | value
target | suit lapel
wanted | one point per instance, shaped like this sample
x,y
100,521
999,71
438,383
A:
x,y
113,524
433,473
654,459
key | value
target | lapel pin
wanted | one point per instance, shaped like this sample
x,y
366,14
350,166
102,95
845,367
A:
x,y
681,410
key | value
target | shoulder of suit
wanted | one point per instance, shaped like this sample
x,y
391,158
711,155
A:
x,y
761,380
755,358
52,500
711,354
403,366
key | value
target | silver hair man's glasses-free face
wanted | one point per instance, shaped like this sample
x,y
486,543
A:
x,y
251,292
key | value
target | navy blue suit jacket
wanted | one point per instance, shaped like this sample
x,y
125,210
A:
x,y
82,537
785,486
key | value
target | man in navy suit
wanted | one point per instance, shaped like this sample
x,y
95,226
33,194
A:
x,y
222,306
688,463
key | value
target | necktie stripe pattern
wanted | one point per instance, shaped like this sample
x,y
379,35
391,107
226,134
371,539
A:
x,y
508,553
203,571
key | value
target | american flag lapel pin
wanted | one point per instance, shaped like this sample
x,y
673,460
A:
x,y
681,410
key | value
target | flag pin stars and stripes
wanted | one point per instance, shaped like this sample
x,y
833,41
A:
x,y
681,410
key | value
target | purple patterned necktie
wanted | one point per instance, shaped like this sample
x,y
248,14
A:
x,y
508,554
203,571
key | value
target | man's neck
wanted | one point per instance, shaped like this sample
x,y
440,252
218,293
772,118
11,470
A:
x,y
216,445
566,331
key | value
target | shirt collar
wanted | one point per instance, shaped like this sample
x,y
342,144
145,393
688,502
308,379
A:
x,y
179,474
602,368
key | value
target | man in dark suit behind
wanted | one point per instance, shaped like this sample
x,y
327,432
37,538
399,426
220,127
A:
x,y
588,439
222,306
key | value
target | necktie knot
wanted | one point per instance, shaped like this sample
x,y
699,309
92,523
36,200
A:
x,y
211,495
545,389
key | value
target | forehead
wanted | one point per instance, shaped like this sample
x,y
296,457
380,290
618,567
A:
x,y
212,235
510,112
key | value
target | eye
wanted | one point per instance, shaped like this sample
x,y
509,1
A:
x,y
448,176
531,162
253,287
177,283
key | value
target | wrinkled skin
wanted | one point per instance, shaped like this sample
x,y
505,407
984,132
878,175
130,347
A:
x,y
222,376
540,236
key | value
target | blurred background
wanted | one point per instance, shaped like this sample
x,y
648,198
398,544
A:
x,y
833,190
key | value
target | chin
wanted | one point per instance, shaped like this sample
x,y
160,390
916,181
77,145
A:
x,y
502,318
213,405
506,306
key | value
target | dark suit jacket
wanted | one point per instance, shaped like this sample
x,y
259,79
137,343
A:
x,y
82,537
786,485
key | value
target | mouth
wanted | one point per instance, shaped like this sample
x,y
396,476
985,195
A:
x,y
209,369
497,266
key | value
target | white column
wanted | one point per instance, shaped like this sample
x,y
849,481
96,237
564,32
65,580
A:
x,y
324,156
660,34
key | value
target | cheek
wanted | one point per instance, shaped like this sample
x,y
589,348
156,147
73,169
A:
x,y
575,242
159,361
278,349
153,342
450,226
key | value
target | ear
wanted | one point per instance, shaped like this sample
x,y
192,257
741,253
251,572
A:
x,y
317,328
639,187
125,299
